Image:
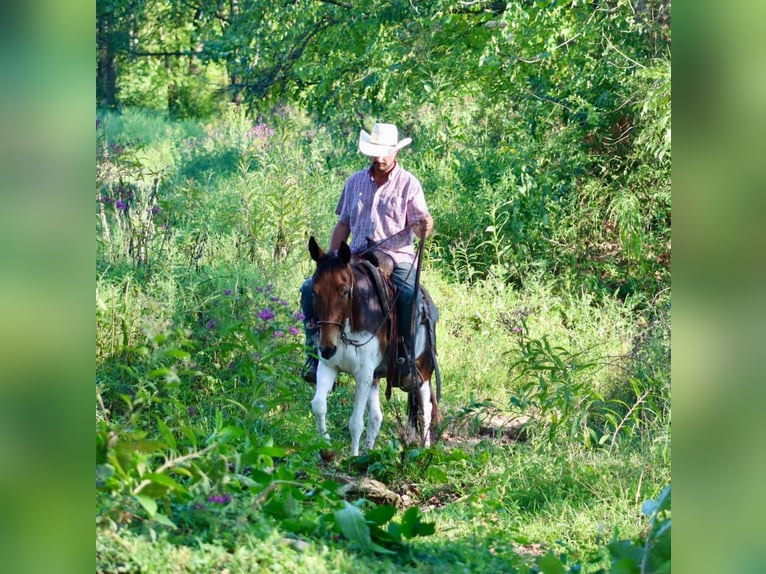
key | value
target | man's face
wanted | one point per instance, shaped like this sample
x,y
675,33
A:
x,y
383,164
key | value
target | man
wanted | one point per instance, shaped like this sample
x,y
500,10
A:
x,y
383,203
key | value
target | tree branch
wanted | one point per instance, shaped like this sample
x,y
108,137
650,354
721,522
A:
x,y
336,3
178,54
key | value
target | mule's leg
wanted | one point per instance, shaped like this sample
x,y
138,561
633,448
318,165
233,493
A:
x,y
424,412
374,415
356,422
325,379
419,411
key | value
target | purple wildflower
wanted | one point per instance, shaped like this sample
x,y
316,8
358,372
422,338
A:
x,y
299,316
120,204
256,356
227,292
267,314
274,299
219,499
293,330
191,411
210,324
155,209
278,334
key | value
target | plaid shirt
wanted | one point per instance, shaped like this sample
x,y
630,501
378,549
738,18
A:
x,y
382,212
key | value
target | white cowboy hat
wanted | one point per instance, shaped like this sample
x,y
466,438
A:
x,y
383,141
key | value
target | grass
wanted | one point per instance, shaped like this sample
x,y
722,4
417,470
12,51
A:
x,y
184,356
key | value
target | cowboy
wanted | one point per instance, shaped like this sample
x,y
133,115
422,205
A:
x,y
383,205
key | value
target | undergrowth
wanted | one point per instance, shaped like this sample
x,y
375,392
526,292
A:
x,y
207,456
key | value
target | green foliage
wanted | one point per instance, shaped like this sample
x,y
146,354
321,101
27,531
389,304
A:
x,y
648,553
550,384
205,443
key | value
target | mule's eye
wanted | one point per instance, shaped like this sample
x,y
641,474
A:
x,y
345,292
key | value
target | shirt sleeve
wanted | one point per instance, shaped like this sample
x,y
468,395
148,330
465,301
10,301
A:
x,y
340,209
416,206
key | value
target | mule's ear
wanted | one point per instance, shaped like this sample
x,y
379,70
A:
x,y
344,252
316,252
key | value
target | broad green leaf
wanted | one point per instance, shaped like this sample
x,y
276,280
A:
x,y
411,522
164,480
624,566
353,526
149,504
426,529
550,564
380,514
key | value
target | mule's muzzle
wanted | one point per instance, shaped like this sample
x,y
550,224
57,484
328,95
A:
x,y
328,352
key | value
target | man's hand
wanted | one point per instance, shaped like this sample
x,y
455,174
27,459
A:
x,y
425,227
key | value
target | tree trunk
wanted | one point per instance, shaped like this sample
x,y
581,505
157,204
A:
x,y
106,72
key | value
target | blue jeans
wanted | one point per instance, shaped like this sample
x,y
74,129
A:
x,y
403,277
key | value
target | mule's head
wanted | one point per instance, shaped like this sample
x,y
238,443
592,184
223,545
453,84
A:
x,y
333,287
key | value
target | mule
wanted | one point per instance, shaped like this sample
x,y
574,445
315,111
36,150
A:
x,y
354,332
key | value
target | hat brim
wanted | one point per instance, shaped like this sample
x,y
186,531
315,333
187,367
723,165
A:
x,y
377,150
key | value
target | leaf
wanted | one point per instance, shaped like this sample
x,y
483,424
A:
x,y
383,537
624,566
164,520
167,434
411,522
146,445
380,514
164,480
353,526
229,433
299,526
271,451
176,354
426,529
550,564
149,504
380,549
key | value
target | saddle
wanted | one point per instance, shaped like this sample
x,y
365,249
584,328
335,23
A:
x,y
379,266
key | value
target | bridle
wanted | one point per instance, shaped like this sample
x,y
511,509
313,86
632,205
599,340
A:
x,y
341,324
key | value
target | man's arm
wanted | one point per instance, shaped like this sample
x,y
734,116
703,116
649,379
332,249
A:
x,y
340,233
425,227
